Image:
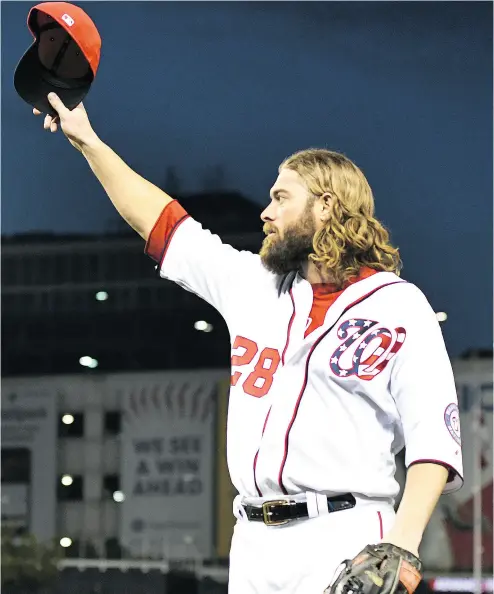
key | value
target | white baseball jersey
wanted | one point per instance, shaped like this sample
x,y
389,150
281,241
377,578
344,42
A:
x,y
325,411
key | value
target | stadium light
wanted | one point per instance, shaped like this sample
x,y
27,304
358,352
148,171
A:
x,y
88,362
67,480
203,326
118,496
67,419
441,316
65,542
101,296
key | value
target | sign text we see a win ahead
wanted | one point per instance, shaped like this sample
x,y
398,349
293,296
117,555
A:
x,y
168,466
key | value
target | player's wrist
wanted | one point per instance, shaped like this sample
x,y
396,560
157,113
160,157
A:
x,y
91,145
408,541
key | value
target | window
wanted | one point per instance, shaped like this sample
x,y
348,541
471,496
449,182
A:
x,y
92,270
16,488
9,303
16,465
115,266
75,428
113,549
144,297
113,422
9,275
61,268
72,492
111,483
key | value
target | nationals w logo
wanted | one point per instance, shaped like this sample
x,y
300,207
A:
x,y
365,352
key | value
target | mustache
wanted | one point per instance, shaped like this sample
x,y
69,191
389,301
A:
x,y
268,229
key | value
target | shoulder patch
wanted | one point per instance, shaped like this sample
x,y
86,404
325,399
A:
x,y
452,420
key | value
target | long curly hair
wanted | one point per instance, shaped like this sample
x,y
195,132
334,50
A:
x,y
351,237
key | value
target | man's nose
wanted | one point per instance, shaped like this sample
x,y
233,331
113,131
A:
x,y
268,214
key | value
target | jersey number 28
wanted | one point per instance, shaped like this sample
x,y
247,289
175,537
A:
x,y
259,381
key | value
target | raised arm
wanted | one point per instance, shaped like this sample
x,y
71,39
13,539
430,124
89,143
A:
x,y
137,200
185,253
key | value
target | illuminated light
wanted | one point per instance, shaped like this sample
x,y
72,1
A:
x,y
88,362
101,296
67,480
65,542
67,419
203,326
118,496
441,316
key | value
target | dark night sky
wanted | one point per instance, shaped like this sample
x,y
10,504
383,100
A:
x,y
404,89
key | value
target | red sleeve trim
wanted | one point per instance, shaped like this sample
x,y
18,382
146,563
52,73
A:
x,y
452,472
168,222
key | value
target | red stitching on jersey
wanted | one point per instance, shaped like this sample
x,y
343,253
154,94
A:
x,y
254,469
289,329
304,384
257,453
381,532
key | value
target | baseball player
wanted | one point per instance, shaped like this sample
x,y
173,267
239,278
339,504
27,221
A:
x,y
337,364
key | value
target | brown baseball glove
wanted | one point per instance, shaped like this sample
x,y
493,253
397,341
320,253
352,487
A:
x,y
379,569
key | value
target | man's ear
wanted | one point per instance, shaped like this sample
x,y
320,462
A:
x,y
326,201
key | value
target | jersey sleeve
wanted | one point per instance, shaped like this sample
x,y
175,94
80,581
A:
x,y
423,387
198,260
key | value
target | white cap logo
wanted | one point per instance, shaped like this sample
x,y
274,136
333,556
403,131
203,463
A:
x,y
68,19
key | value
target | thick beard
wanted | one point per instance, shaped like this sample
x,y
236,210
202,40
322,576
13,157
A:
x,y
282,256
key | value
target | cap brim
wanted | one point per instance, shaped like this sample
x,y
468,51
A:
x,y
33,83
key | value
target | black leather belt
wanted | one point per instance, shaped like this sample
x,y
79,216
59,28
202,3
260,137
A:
x,y
282,511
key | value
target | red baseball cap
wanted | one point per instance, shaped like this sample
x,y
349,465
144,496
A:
x,y
63,59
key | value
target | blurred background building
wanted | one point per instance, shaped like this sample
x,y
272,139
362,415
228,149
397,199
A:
x,y
66,297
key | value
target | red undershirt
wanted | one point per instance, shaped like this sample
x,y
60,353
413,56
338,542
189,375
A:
x,y
325,295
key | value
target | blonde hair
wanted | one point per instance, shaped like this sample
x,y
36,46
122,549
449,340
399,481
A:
x,y
351,237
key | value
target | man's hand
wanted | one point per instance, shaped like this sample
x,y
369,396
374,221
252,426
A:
x,y
74,123
137,200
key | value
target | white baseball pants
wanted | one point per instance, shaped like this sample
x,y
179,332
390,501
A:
x,y
301,557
